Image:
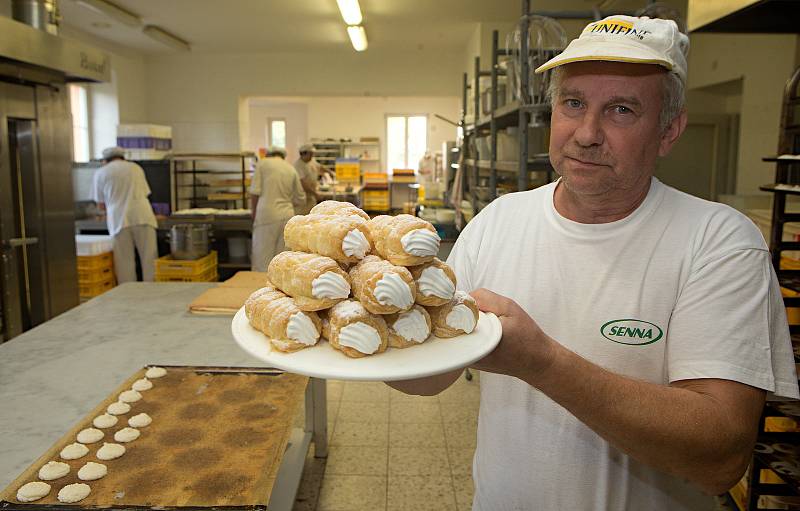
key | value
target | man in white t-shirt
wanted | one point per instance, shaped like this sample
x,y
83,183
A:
x,y
642,327
308,171
121,188
275,193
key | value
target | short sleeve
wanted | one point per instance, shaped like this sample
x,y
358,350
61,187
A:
x,y
255,182
729,323
462,262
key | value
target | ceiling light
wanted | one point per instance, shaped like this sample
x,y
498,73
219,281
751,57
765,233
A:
x,y
112,11
165,37
351,12
358,37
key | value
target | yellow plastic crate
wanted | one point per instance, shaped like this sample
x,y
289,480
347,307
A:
x,y
90,277
375,200
96,262
208,276
96,288
168,267
347,172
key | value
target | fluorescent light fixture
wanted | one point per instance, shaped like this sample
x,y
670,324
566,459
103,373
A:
x,y
165,37
351,12
358,37
112,11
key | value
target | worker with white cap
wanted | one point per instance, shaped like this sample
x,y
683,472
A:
x,y
120,187
308,170
275,192
659,325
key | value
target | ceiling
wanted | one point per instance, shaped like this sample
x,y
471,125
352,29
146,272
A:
x,y
237,26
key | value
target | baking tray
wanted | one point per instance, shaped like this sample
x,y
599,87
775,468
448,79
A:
x,y
216,441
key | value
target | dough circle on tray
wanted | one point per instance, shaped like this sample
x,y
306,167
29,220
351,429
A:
x,y
140,421
110,451
118,408
53,470
92,471
155,372
104,421
127,435
141,385
90,435
31,492
74,451
74,492
130,396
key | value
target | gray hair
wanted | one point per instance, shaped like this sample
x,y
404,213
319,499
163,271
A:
x,y
673,95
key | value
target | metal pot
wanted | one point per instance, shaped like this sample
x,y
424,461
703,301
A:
x,y
189,241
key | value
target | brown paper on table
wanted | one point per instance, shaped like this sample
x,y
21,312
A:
x,y
217,439
250,279
220,300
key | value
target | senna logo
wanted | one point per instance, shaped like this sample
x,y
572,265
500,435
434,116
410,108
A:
x,y
631,331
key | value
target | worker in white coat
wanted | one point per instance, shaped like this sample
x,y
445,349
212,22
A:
x,y
275,192
308,171
122,190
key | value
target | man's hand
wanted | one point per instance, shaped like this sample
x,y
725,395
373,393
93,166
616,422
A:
x,y
524,348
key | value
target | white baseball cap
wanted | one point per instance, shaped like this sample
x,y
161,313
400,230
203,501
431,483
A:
x,y
306,148
628,39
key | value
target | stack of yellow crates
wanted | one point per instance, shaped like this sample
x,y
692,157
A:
x,y
375,195
95,274
204,269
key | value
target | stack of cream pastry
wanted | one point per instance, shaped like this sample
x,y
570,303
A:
x,y
363,284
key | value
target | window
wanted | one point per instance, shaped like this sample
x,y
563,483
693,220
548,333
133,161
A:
x,y
406,141
276,132
79,106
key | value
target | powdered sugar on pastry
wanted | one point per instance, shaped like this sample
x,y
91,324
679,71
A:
x,y
34,491
118,408
412,326
74,451
348,309
391,289
142,385
92,471
330,285
53,470
140,421
90,436
126,435
104,421
421,242
130,396
301,329
74,493
155,372
110,451
461,318
361,337
355,244
434,282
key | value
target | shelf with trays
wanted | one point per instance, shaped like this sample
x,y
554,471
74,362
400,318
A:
x,y
187,169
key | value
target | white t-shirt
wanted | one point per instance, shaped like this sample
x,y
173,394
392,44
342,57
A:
x,y
121,185
680,289
279,190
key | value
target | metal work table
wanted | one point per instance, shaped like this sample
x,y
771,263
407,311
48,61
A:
x,y
53,375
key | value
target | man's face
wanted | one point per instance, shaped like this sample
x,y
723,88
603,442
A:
x,y
605,133
306,156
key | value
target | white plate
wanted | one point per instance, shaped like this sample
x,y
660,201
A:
x,y
434,356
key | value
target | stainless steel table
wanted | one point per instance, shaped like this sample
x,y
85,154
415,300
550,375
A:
x,y
53,375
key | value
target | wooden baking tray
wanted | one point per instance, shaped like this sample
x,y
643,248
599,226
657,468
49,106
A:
x,y
216,441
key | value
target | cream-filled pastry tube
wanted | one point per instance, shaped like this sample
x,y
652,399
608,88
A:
x,y
354,331
436,283
409,328
404,240
382,287
315,282
456,317
278,317
344,239
335,207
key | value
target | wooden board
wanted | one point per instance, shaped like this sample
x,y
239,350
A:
x,y
216,440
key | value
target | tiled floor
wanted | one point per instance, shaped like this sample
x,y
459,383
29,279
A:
x,y
390,451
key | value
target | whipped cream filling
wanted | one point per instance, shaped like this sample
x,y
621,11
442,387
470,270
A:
x,y
330,285
391,289
421,242
360,336
434,282
412,326
355,244
461,318
301,329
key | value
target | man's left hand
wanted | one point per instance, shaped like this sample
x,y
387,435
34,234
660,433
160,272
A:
x,y
524,348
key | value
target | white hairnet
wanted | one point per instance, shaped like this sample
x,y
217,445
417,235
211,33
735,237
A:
x,y
306,148
111,152
274,150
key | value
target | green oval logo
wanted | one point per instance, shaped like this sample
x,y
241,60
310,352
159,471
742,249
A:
x,y
634,332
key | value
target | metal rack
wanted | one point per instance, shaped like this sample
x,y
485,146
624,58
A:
x,y
519,113
188,168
